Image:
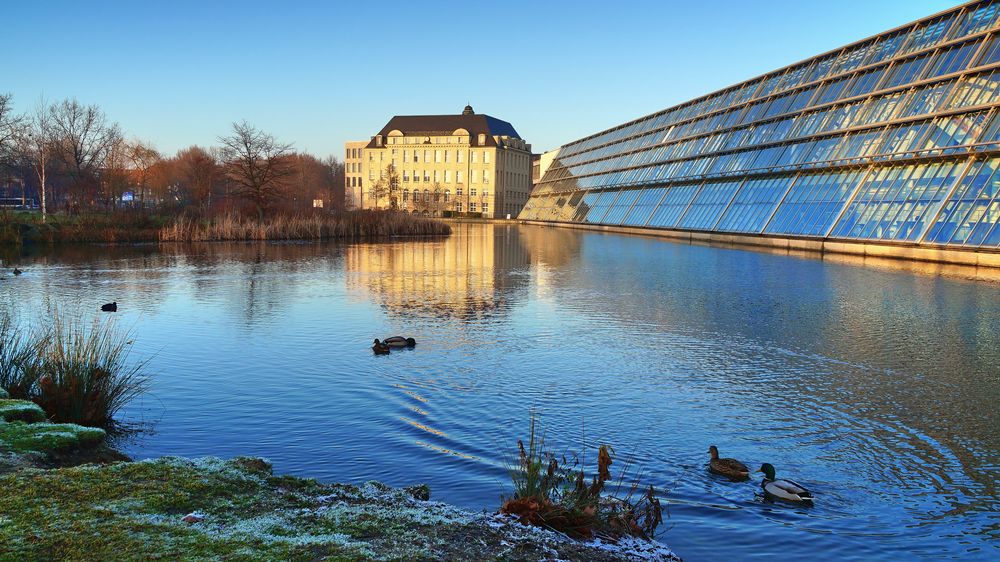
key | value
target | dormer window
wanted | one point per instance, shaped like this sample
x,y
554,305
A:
x,y
482,139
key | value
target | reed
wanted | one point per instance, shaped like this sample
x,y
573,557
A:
x,y
77,373
348,225
553,492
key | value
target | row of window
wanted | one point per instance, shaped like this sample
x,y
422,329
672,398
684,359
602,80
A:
x,y
436,176
439,156
951,134
951,202
923,99
954,25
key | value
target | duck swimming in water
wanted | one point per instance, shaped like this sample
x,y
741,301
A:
x,y
17,271
783,489
380,348
730,468
400,341
110,307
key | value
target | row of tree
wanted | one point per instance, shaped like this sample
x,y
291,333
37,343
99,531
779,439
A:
x,y
69,156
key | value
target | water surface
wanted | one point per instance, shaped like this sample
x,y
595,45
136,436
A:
x,y
877,387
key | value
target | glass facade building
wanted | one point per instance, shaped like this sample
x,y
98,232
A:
x,y
892,139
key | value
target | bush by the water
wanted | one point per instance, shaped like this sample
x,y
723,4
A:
x,y
77,373
343,224
554,493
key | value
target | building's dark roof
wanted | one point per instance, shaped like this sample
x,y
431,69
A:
x,y
448,124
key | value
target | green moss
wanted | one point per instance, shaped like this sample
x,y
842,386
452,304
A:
x,y
23,410
243,512
20,437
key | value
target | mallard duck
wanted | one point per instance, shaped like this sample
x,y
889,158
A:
x,y
730,468
110,307
17,271
400,341
783,489
380,348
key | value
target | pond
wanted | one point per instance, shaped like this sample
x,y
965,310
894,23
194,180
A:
x,y
877,387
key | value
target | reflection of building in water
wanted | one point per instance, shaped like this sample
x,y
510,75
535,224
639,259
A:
x,y
477,270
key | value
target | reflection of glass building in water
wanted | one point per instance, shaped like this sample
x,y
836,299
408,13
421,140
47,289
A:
x,y
893,141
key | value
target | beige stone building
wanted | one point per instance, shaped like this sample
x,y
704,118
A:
x,y
353,176
441,165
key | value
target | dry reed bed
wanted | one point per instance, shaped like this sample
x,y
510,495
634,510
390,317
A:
x,y
345,225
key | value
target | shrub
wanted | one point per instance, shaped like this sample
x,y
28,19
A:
x,y
77,374
554,493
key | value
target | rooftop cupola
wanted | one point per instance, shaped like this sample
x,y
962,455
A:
x,y
468,110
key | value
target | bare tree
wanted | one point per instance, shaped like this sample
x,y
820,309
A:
x,y
142,158
84,139
36,148
257,165
10,128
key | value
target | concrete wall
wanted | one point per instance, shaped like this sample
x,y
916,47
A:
x,y
907,252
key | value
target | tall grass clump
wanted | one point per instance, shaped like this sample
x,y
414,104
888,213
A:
x,y
77,373
349,225
18,352
553,492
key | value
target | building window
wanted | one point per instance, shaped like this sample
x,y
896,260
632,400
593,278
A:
x,y
458,207
437,155
486,193
427,176
416,176
446,156
486,207
472,192
482,139
416,156
472,207
427,195
436,177
458,192
406,195
472,155
486,176
406,155
406,175
427,156
437,195
447,176
458,176
486,157
447,195
458,156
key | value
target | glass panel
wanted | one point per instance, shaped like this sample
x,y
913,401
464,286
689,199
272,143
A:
x,y
583,209
812,204
644,206
906,71
674,204
831,91
971,212
865,82
753,205
979,19
926,99
708,205
623,205
930,33
952,59
956,130
888,47
992,52
976,89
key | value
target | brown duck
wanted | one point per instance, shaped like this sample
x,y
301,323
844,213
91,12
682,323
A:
x,y
730,468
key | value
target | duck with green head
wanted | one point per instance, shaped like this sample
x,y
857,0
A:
x,y
786,490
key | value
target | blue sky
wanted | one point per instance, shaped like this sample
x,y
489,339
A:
x,y
177,73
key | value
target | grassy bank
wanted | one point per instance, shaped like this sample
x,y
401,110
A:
x,y
201,509
126,227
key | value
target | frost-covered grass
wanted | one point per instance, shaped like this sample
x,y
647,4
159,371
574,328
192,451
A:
x,y
238,510
47,438
20,410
